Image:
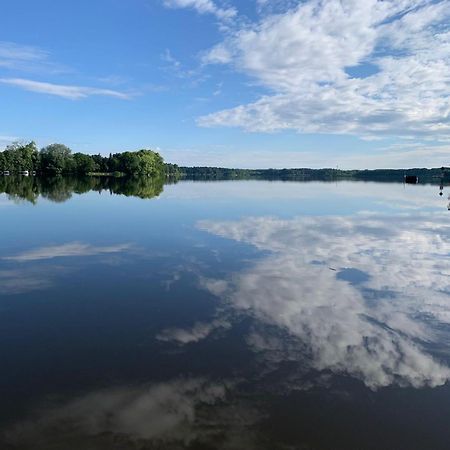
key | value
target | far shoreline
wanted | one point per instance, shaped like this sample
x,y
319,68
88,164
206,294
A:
x,y
172,172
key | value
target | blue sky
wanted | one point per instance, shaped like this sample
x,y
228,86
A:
x,y
253,83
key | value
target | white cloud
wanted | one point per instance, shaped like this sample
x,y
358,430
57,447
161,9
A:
x,y
61,90
203,7
23,57
274,6
12,51
66,250
217,55
302,58
379,330
26,58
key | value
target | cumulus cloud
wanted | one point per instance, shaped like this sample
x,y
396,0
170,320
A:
x,y
66,250
62,90
203,7
379,328
400,51
217,55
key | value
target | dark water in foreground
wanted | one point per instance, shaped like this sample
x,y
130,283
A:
x,y
228,315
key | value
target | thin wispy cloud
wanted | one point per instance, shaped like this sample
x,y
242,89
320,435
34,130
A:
x,y
203,7
27,58
63,90
174,66
20,59
13,55
373,68
190,76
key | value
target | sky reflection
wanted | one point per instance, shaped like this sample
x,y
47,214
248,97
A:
x,y
34,269
228,315
66,250
378,330
170,414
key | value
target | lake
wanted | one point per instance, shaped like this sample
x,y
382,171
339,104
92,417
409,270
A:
x,y
224,315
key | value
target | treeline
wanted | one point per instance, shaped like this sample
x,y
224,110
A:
x,y
220,173
58,159
384,175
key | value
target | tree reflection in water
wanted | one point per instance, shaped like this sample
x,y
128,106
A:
x,y
61,189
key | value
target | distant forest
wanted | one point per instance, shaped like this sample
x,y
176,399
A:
x,y
58,159
381,175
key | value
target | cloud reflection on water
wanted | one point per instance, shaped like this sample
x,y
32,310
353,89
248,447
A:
x,y
377,330
197,332
173,414
30,270
69,249
19,281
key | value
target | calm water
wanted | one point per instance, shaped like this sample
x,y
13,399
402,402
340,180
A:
x,y
228,315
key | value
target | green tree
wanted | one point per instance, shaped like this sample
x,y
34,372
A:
x,y
101,163
56,159
150,163
84,164
20,156
142,162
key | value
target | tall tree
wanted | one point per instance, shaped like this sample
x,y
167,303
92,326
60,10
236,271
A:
x,y
20,156
56,159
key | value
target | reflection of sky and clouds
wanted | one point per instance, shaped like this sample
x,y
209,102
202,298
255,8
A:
x,y
65,251
365,295
223,312
320,197
23,272
170,414
20,280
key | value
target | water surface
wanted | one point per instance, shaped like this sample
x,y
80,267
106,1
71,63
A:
x,y
230,315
